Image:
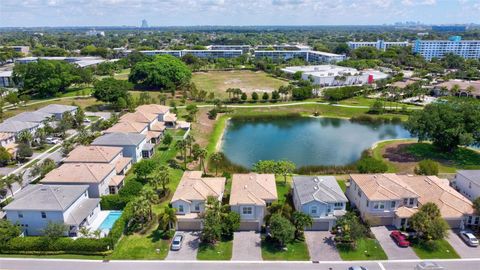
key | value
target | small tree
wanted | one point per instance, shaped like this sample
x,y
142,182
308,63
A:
x,y
67,147
24,151
8,181
281,229
427,167
167,139
54,230
5,157
243,97
8,231
301,220
230,223
167,219
428,223
160,177
265,166
43,168
284,168
144,168
265,97
376,108
371,165
254,96
212,225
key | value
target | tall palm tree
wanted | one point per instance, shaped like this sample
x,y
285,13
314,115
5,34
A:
x,y
202,155
141,209
25,137
41,135
10,180
216,158
189,140
151,197
168,218
181,145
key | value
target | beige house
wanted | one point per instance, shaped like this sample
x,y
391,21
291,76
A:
x,y
100,178
100,154
250,196
162,112
391,199
190,197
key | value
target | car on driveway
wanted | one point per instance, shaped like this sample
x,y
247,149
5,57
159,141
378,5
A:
x,y
469,238
177,242
400,239
51,140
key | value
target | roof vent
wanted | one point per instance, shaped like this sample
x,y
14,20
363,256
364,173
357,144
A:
x,y
245,187
315,187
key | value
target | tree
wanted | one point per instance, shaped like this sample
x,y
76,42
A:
x,y
79,117
284,168
275,96
254,96
160,177
8,181
12,98
144,168
428,223
230,223
181,145
427,167
192,109
41,169
168,218
212,226
67,147
376,107
371,165
24,151
216,158
25,137
8,231
110,89
264,166
351,229
165,72
301,220
281,229
55,230
265,97
202,155
447,125
167,139
5,156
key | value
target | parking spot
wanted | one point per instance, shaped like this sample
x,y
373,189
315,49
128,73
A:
x,y
247,246
321,246
189,248
461,247
393,251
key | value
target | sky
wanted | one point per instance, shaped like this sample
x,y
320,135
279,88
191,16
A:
x,y
234,12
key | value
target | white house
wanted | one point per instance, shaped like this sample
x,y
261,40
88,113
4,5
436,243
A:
x,y
250,196
37,205
320,197
467,182
191,195
134,145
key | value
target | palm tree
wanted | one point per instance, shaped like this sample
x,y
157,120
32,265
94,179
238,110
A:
x,y
41,135
151,197
10,180
301,220
202,155
141,209
162,98
168,218
25,137
161,176
216,158
181,145
189,140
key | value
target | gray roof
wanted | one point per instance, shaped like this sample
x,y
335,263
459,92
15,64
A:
x,y
472,175
318,188
82,211
46,197
16,126
119,138
57,108
35,116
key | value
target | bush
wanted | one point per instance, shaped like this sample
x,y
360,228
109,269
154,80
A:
x,y
427,167
113,202
63,244
131,188
336,94
371,165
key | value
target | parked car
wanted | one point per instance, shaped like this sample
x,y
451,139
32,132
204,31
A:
x,y
469,238
177,242
399,238
428,266
357,268
51,140
86,120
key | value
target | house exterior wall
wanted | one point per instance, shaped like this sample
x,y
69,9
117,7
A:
x,y
32,221
468,188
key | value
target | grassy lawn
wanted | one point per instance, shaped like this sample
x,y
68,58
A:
x,y
282,187
364,101
144,247
443,251
248,81
462,158
220,251
295,251
216,134
342,184
367,249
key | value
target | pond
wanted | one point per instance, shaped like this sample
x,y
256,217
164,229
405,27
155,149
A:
x,y
304,140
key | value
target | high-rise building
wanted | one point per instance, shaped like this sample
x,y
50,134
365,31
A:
x,y
429,49
379,44
449,28
144,23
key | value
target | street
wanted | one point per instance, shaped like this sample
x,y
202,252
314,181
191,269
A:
x,y
54,264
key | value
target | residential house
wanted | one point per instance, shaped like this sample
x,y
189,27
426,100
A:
x,y
31,117
37,205
100,154
100,178
16,127
467,182
154,127
190,197
464,88
6,138
58,110
391,199
321,198
163,113
134,145
250,196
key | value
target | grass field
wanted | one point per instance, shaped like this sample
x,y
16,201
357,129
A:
x,y
367,249
295,251
222,251
248,81
443,251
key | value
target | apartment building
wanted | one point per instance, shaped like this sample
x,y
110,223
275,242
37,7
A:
x,y
469,49
308,56
379,44
209,54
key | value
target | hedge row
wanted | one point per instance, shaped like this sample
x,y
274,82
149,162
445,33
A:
x,y
62,244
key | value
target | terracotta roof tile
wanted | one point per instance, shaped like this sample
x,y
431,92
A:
x,y
253,188
194,187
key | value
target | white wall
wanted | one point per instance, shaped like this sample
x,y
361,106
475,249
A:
x,y
470,189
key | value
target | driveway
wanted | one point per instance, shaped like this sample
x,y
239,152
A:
x,y
246,246
189,248
393,251
461,247
321,246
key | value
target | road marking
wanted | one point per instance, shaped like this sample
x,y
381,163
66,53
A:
x,y
381,265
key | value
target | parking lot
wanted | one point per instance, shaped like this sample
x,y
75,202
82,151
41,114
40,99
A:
x,y
393,251
189,248
461,247
321,246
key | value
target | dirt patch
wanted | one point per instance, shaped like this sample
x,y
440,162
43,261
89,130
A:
x,y
397,154
202,128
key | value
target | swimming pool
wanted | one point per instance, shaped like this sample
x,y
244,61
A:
x,y
108,222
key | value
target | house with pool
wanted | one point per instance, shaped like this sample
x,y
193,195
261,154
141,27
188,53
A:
x,y
190,197
37,205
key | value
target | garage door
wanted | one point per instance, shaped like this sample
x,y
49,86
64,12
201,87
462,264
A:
x,y
185,225
249,226
319,226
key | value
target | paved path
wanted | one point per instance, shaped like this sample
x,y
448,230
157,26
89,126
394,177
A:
x,y
321,246
58,264
393,251
246,246
461,247
299,103
189,248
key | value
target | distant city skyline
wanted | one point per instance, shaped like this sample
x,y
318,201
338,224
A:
x,y
14,13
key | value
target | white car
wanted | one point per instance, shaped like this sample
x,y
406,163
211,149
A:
x,y
428,266
177,242
51,140
469,238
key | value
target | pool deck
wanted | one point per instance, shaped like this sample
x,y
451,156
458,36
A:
x,y
102,215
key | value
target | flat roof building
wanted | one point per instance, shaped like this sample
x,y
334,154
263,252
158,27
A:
x,y
308,56
429,49
379,44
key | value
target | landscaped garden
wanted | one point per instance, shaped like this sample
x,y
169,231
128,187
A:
x,y
221,250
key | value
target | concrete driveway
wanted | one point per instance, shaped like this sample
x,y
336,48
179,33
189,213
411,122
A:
x,y
461,247
189,248
246,246
321,246
393,251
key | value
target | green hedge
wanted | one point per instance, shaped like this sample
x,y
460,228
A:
x,y
119,226
113,202
62,244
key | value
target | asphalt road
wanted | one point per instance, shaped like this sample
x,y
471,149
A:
x,y
52,264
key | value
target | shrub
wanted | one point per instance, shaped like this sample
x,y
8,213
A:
x,y
131,188
427,167
336,94
371,165
63,244
113,202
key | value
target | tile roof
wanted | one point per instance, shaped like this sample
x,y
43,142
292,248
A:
x,y
46,197
159,126
253,188
79,173
138,117
153,108
6,135
387,186
116,180
194,187
405,212
16,126
127,126
153,134
122,163
36,117
93,154
119,139
57,108
171,117
318,188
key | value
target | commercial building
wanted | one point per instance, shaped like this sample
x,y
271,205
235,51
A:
x,y
465,88
80,61
379,44
331,75
308,56
469,49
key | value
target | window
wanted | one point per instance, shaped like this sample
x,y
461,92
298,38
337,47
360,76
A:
x,y
402,222
197,207
392,204
20,215
180,208
411,201
359,193
379,205
405,201
367,203
44,215
313,210
247,210
338,205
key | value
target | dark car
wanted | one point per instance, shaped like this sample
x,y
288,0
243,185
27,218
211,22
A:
x,y
400,239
